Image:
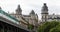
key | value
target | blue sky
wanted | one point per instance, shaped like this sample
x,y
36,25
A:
x,y
28,5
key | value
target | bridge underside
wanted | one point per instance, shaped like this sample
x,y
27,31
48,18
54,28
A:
x,y
5,27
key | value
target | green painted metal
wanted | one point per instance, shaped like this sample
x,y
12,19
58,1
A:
x,y
11,17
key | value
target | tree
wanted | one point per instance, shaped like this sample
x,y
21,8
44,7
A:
x,y
30,26
47,26
55,29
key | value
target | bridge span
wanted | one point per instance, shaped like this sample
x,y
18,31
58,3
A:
x,y
10,24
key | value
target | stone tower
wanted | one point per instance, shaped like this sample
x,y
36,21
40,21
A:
x,y
34,18
44,12
18,10
32,14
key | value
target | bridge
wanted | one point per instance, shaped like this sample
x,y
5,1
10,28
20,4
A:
x,y
10,24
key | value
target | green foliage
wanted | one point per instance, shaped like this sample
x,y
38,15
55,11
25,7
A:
x,y
55,29
30,26
47,26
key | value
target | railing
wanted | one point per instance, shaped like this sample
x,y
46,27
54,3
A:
x,y
11,17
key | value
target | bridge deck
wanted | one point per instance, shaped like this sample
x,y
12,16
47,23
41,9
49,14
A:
x,y
6,18
10,28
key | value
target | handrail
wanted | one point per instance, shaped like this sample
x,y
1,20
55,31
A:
x,y
6,14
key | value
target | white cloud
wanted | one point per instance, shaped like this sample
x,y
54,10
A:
x,y
28,5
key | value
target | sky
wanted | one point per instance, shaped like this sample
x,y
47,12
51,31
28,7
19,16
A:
x,y
28,5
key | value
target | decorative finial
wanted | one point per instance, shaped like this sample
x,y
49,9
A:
x,y
44,3
18,6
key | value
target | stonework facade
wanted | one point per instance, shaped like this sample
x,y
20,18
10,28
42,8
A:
x,y
45,15
44,12
32,18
